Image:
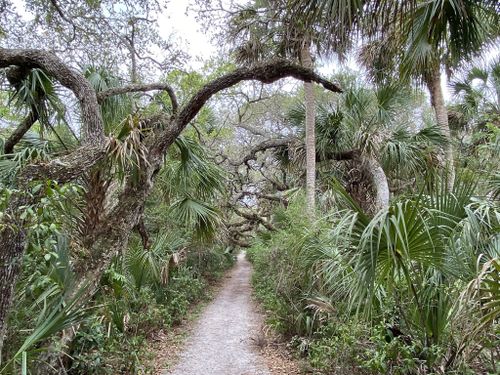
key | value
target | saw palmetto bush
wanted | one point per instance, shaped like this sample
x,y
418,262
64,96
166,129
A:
x,y
401,271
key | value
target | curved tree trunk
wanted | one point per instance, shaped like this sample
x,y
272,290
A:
x,y
433,81
379,182
310,143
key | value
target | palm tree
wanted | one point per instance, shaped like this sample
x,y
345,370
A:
x,y
477,98
281,29
310,143
372,129
474,118
282,38
428,37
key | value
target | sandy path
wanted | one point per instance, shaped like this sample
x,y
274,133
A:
x,y
221,343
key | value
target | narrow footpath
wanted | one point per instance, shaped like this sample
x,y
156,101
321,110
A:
x,y
222,341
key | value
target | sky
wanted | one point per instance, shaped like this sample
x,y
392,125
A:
x,y
185,26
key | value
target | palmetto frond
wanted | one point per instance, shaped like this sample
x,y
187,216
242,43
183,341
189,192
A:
x,y
115,108
494,183
37,90
36,86
477,94
126,151
481,300
189,171
145,265
31,148
58,305
408,151
201,216
456,29
55,318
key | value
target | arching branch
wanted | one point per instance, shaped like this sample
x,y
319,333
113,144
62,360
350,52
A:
x,y
265,73
92,127
141,88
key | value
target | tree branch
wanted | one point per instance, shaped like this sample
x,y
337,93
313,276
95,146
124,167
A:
x,y
63,16
20,131
281,142
252,130
255,218
141,88
66,168
270,197
261,147
92,129
265,73
339,156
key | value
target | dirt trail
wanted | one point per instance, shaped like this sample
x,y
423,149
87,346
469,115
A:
x,y
221,343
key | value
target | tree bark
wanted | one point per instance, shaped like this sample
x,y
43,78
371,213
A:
x,y
143,232
310,123
20,131
433,81
378,181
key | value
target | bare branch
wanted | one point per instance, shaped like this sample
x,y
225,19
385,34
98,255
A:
x,y
254,217
261,147
252,130
63,16
266,73
20,131
275,198
141,88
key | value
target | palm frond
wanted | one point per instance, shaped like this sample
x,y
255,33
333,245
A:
x,y
202,217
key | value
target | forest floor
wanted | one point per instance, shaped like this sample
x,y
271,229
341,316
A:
x,y
228,337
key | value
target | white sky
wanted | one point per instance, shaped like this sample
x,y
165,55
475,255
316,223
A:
x,y
184,26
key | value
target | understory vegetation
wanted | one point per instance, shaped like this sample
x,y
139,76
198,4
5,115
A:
x,y
144,291
411,290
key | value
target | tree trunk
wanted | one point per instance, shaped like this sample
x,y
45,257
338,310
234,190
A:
x,y
20,131
378,181
13,239
109,239
310,143
433,81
